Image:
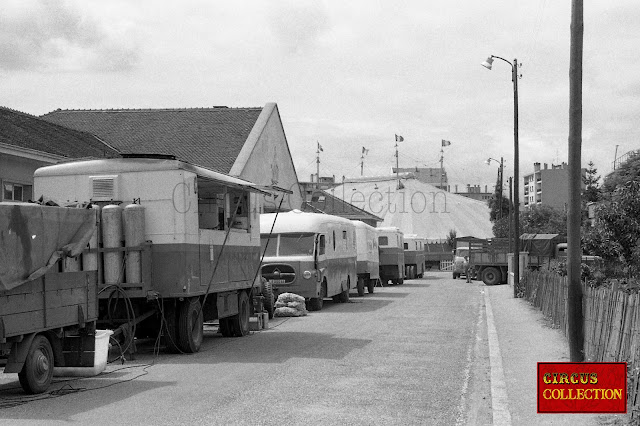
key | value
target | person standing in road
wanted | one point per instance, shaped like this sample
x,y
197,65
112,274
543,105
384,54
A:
x,y
467,268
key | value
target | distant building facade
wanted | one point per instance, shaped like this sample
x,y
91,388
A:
x,y
432,175
548,186
325,182
475,192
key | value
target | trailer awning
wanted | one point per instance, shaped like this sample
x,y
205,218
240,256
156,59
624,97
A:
x,y
33,237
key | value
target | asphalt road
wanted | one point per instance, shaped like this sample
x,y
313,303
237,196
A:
x,y
412,354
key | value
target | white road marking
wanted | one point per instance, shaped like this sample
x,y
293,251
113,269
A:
x,y
499,399
460,418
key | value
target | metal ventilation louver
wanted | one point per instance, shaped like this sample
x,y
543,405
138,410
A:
x,y
104,188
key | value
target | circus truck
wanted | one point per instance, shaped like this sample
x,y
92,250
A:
x,y
312,255
368,257
48,304
391,248
178,245
414,256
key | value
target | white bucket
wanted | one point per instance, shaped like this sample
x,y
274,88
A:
x,y
99,359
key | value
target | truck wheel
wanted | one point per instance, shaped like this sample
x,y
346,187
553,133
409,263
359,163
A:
x,y
360,286
315,303
370,286
170,327
37,371
240,321
491,276
190,322
344,296
269,298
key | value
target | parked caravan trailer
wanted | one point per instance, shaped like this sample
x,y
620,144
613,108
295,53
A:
x,y
368,257
179,244
390,245
309,254
414,256
48,304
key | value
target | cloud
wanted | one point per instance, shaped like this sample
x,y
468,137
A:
x,y
58,36
299,25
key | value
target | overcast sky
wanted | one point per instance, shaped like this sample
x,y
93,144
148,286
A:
x,y
346,74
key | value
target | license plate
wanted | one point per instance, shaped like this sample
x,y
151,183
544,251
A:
x,y
277,281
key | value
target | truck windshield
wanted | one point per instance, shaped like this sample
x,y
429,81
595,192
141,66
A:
x,y
291,244
271,247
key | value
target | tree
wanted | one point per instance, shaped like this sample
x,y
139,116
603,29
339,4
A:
x,y
543,220
627,171
451,238
616,234
498,204
501,227
591,192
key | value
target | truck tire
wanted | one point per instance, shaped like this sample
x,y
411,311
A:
x,y
315,303
360,286
190,323
240,321
491,276
344,296
35,376
371,284
269,298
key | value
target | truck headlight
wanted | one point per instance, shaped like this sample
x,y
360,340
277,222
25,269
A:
x,y
306,274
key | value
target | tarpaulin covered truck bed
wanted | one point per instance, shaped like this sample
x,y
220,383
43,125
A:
x,y
33,237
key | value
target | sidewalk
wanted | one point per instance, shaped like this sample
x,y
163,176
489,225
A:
x,y
524,339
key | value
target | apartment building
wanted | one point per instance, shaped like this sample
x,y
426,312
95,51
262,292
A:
x,y
548,186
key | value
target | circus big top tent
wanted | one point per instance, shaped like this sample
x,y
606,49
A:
x,y
417,207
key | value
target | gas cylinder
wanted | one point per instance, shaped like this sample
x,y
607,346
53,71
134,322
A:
x,y
112,238
133,223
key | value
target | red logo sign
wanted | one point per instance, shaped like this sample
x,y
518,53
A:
x,y
582,387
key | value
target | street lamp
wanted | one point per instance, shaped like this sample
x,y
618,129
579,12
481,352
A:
x,y
501,169
516,168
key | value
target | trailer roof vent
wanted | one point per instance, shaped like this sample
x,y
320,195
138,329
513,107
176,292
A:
x,y
104,188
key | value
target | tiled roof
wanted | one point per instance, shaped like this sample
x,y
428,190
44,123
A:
x,y
208,137
27,131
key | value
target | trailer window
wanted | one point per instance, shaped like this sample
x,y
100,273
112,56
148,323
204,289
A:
x,y
383,241
321,245
241,218
296,244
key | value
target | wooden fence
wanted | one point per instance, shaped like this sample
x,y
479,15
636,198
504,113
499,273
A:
x,y
611,323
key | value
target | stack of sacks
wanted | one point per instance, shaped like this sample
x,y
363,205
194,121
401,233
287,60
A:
x,y
290,305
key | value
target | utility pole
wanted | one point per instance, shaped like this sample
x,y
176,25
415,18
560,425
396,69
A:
x,y
574,255
510,219
441,167
318,165
397,169
501,174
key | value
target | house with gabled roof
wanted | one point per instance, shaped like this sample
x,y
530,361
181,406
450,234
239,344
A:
x,y
248,143
28,142
321,201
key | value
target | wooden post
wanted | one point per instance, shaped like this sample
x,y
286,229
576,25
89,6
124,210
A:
x,y
574,256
